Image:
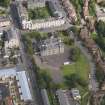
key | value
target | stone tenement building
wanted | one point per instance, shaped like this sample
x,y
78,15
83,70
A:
x,y
50,46
34,24
36,3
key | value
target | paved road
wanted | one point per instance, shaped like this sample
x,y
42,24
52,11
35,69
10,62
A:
x,y
31,73
14,15
26,61
93,84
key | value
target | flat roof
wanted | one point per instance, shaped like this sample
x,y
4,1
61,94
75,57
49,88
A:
x,y
23,81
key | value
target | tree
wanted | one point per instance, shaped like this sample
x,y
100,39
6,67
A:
x,y
100,76
75,30
102,3
100,38
4,3
103,101
92,7
73,80
78,4
68,41
74,54
45,80
100,27
35,35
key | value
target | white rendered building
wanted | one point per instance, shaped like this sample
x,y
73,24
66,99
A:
x,y
42,24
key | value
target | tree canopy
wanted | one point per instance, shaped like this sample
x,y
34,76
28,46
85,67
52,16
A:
x,y
103,101
92,7
4,3
100,27
100,37
73,80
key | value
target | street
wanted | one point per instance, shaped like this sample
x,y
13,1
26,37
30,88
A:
x,y
26,61
31,73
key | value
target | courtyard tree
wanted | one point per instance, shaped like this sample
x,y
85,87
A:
x,y
103,101
4,3
74,54
102,3
92,7
100,76
74,80
100,38
71,80
45,79
100,27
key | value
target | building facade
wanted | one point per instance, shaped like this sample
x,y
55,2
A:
x,y
55,9
4,21
26,23
12,40
70,10
32,4
16,83
42,24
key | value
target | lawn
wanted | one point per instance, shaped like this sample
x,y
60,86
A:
x,y
80,67
38,13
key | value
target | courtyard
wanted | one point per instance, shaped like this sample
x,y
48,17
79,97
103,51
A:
x,y
53,65
39,13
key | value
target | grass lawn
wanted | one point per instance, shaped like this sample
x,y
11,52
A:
x,y
38,13
81,67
